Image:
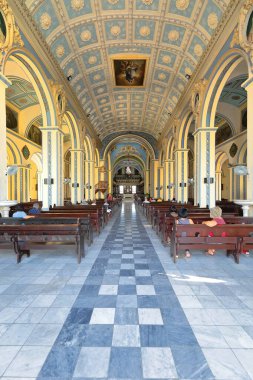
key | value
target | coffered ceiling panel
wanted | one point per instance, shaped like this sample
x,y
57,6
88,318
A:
x,y
156,43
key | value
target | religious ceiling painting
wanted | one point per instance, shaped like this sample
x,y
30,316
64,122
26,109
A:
x,y
129,72
223,133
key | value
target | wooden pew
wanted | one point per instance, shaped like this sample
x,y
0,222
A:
x,y
24,235
94,216
198,237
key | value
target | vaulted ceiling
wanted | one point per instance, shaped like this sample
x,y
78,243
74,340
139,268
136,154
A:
x,y
159,44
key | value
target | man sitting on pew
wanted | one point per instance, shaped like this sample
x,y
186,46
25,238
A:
x,y
35,209
19,213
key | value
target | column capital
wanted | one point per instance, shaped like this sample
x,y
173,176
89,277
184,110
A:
x,y
248,84
204,130
77,150
4,81
51,129
181,150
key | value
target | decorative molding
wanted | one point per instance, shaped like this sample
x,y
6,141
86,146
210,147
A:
x,y
197,97
11,36
59,100
244,17
235,39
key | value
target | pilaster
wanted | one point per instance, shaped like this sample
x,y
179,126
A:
x,y
218,185
181,183
204,151
77,175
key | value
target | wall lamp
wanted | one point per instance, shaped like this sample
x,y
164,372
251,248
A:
x,y
48,181
75,184
182,184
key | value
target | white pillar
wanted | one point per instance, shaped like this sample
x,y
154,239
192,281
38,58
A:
x,y
52,174
218,185
24,183
39,181
4,203
204,189
166,180
248,85
4,83
77,175
171,183
181,183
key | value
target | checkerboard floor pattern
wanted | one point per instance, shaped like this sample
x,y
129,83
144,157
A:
x,y
126,322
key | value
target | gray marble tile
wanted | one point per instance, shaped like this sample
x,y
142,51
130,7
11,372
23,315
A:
x,y
16,334
125,362
236,337
43,335
126,336
245,358
7,354
56,315
224,364
157,362
28,361
88,364
210,337
32,315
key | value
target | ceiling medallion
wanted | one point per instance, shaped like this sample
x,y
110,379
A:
x,y
212,20
181,87
182,4
45,21
85,35
198,50
157,89
77,5
60,50
162,76
115,30
173,35
188,71
166,59
92,60
174,98
100,90
97,77
147,2
78,88
70,71
144,31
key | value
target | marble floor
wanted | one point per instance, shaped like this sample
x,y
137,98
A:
x,y
126,312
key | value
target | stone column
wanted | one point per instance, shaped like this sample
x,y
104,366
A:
x,y
166,180
154,179
23,179
204,189
181,182
77,175
171,179
218,185
248,85
39,180
52,174
147,182
4,203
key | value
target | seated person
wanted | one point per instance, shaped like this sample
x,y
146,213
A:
x,y
146,200
19,213
173,211
35,209
215,214
159,200
84,202
183,219
94,202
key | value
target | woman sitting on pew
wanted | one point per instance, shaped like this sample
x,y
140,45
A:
x,y
217,220
183,219
19,213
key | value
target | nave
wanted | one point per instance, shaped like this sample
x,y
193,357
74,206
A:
x,y
126,312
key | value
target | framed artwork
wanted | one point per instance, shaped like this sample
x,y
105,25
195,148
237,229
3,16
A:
x,y
129,72
25,152
35,135
2,29
11,119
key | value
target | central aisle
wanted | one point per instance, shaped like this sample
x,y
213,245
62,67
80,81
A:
x,y
126,322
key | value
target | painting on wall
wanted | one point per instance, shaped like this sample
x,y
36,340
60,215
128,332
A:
x,y
35,135
11,119
223,133
250,28
2,29
129,72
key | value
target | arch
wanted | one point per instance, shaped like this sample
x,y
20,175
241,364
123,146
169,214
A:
x,y
38,79
133,138
242,154
170,148
220,75
15,151
88,146
70,120
220,158
37,159
184,129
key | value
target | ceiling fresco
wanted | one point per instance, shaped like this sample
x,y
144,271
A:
x,y
167,36
128,149
233,93
21,93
